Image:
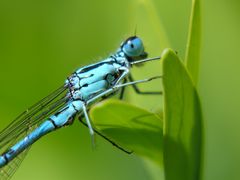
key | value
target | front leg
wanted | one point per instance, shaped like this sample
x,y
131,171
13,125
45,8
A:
x,y
117,87
138,91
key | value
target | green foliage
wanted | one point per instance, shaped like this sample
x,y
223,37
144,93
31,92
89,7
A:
x,y
42,42
130,127
141,131
194,41
182,121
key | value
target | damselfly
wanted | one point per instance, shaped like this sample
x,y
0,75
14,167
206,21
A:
x,y
84,87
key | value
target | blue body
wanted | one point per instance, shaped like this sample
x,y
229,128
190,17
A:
x,y
84,87
84,84
55,121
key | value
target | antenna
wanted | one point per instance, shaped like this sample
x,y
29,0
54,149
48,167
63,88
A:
x,y
135,30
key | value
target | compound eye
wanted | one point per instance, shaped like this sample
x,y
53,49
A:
x,y
133,47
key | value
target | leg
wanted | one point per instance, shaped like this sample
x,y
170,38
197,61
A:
x,y
104,137
107,92
89,124
122,90
138,91
116,87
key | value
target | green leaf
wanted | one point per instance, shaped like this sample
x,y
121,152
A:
x,y
132,128
182,122
194,41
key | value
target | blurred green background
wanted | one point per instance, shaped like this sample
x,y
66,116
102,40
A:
x,y
42,42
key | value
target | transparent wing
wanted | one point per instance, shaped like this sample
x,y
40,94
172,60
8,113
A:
x,y
7,171
25,123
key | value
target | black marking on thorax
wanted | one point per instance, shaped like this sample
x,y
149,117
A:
x,y
86,69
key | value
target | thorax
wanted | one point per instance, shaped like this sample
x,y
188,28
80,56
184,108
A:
x,y
91,80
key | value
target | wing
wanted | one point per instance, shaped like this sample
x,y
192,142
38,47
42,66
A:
x,y
8,170
25,123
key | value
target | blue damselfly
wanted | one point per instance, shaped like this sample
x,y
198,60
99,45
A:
x,y
84,87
